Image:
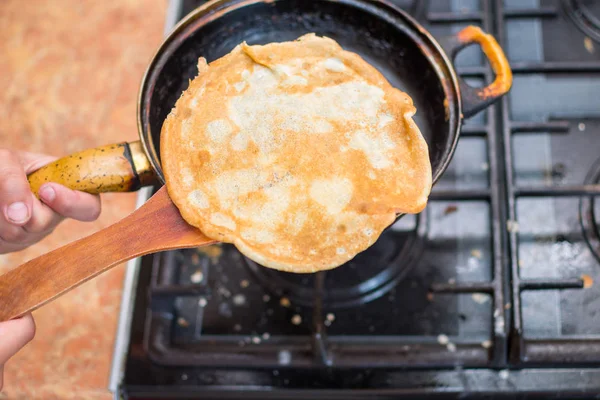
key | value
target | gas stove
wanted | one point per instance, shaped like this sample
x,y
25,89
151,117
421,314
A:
x,y
494,290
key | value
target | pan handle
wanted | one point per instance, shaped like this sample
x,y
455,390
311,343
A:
x,y
476,99
121,167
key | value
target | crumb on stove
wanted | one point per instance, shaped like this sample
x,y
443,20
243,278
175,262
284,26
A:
x,y
452,281
202,302
266,336
195,258
512,226
480,298
266,298
430,296
451,209
507,306
486,344
330,317
239,299
285,302
197,277
182,322
588,44
244,283
503,374
443,339
237,327
587,281
296,319
327,323
581,127
255,340
476,253
451,347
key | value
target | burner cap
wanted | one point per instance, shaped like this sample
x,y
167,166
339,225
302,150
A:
x,y
589,211
586,15
370,275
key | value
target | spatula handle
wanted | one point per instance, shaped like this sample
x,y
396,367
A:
x,y
156,226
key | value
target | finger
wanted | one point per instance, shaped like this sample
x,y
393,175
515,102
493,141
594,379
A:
x,y
34,161
70,203
10,233
15,334
15,202
43,218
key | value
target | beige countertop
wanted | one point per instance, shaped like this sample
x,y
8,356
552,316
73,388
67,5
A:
x,y
69,77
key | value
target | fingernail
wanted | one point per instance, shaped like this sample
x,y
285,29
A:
x,y
17,212
47,193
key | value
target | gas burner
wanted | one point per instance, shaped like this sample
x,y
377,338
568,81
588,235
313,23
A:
x,y
586,15
370,275
588,216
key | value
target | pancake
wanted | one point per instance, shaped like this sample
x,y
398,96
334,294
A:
x,y
299,153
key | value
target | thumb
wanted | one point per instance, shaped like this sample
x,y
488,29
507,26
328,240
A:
x,y
15,334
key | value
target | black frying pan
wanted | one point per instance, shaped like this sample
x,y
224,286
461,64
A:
x,y
386,37
410,58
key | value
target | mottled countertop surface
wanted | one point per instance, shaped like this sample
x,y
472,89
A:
x,y
69,77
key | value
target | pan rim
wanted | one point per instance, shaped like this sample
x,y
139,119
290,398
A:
x,y
214,9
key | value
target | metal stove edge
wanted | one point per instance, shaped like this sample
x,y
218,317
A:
x,y
123,332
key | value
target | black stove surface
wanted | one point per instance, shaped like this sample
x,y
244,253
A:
x,y
493,290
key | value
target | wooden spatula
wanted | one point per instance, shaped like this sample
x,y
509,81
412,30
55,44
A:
x,y
154,227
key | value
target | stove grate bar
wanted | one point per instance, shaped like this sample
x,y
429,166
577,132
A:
x,y
571,351
474,131
542,12
558,126
548,284
453,17
473,194
562,67
463,287
557,191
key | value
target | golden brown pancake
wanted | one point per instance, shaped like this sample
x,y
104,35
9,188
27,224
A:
x,y
299,153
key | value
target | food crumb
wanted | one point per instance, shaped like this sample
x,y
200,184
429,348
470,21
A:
x,y
451,209
195,259
182,322
479,298
237,327
507,306
296,319
330,317
255,340
512,226
429,296
197,277
266,336
285,302
266,298
244,283
581,127
587,281
451,347
588,44
443,339
486,344
239,299
202,302
476,253
503,374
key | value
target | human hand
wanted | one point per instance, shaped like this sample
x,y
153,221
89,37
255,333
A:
x,y
14,334
25,220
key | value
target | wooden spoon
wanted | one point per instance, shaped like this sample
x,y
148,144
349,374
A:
x,y
154,227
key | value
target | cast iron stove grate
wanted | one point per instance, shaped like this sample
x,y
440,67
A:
x,y
481,294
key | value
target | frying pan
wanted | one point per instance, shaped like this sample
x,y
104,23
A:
x,y
410,58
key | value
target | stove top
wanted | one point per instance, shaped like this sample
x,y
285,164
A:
x,y
493,290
